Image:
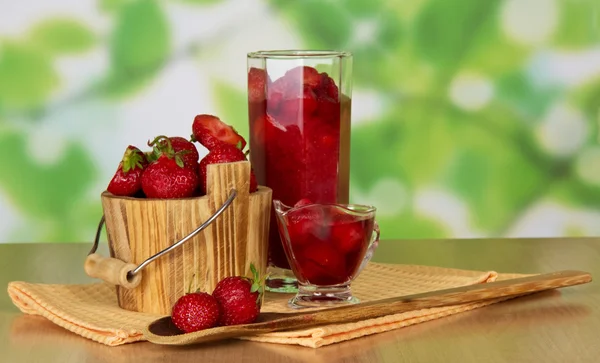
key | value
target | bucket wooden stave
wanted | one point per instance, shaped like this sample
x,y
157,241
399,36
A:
x,y
139,228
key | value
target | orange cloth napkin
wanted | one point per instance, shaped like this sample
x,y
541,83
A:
x,y
92,311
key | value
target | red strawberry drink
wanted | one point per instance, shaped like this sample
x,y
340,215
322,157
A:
x,y
299,115
326,245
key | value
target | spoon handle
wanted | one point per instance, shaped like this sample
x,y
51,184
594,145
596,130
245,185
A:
x,y
378,308
454,296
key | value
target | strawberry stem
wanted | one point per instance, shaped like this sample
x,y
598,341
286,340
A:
x,y
132,159
155,143
151,156
162,145
189,289
258,284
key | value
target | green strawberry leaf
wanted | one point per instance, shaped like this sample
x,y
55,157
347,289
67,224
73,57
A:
x,y
132,159
62,36
151,156
156,153
179,161
258,283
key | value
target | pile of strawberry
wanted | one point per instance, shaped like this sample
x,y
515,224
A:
x,y
171,169
235,300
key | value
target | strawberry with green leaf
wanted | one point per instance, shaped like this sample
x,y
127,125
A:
x,y
210,131
240,298
176,144
223,153
127,180
167,176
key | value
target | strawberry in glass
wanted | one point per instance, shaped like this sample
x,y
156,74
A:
x,y
299,116
326,245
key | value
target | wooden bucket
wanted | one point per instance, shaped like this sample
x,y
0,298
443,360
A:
x,y
139,228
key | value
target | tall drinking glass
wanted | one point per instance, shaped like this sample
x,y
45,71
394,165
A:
x,y
299,116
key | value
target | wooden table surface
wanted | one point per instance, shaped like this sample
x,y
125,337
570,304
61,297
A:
x,y
546,327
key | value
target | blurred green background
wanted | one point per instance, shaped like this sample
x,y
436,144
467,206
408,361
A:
x,y
471,118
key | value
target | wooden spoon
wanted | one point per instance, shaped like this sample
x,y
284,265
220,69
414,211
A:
x,y
162,331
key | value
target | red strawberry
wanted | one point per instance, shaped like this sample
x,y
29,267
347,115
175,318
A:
x,y
328,87
266,128
240,298
305,224
223,153
167,178
175,145
303,202
127,180
304,75
196,311
323,265
348,237
190,154
276,92
253,182
257,84
210,131
302,103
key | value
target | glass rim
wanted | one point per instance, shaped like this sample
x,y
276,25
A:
x,y
352,207
359,208
297,53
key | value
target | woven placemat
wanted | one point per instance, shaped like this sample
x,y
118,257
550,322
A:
x,y
91,310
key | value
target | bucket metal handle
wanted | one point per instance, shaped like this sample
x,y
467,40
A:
x,y
128,275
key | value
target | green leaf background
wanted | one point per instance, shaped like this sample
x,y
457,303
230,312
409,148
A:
x,y
409,54
62,35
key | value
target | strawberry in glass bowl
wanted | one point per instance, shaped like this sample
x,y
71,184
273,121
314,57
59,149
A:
x,y
327,246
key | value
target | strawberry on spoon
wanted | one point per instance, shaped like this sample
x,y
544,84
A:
x,y
240,298
196,311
